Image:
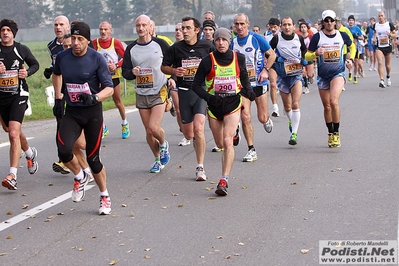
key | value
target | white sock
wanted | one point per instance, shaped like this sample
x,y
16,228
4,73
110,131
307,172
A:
x,y
80,175
295,118
13,170
124,122
104,193
29,153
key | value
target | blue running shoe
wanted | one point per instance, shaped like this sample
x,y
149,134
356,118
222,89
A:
x,y
164,154
105,131
290,126
156,167
125,131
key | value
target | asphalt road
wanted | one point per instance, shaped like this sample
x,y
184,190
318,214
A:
x,y
277,209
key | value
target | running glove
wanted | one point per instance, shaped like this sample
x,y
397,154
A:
x,y
88,99
57,108
215,100
47,72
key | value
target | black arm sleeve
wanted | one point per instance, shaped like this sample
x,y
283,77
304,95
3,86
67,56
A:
x,y
127,65
246,85
197,85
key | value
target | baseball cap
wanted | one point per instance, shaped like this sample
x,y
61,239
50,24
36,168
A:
x,y
328,13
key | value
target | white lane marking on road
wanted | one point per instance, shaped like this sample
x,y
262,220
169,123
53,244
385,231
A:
x,y
29,213
5,144
131,110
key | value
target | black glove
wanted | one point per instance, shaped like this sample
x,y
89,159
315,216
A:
x,y
47,72
215,100
251,95
88,99
57,108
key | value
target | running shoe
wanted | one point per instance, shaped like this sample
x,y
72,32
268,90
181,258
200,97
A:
x,y
374,69
59,167
310,80
290,126
78,191
105,205
33,166
236,137
156,167
350,77
164,154
105,131
275,112
343,88
293,139
173,111
336,140
355,81
251,156
382,84
10,182
268,125
367,60
200,174
184,142
90,175
125,131
389,82
221,189
217,149
305,90
370,68
362,74
330,140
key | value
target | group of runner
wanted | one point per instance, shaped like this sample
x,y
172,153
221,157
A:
x,y
210,71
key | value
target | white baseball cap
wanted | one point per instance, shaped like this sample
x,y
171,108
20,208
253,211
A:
x,y
328,13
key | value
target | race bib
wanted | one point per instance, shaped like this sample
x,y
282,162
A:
x,y
225,86
332,55
251,71
191,66
9,81
75,89
292,67
383,41
145,79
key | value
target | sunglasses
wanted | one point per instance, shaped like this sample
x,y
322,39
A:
x,y
327,20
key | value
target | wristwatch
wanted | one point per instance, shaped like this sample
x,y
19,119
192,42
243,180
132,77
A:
x,y
267,68
96,97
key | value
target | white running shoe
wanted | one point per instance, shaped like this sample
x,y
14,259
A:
x,y
305,90
251,156
268,125
184,142
371,68
90,175
275,111
105,205
200,174
382,84
78,191
389,82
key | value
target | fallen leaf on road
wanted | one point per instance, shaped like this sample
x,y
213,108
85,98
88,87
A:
x,y
147,249
9,213
244,187
211,198
208,188
180,205
293,183
9,237
147,257
304,251
113,262
124,205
